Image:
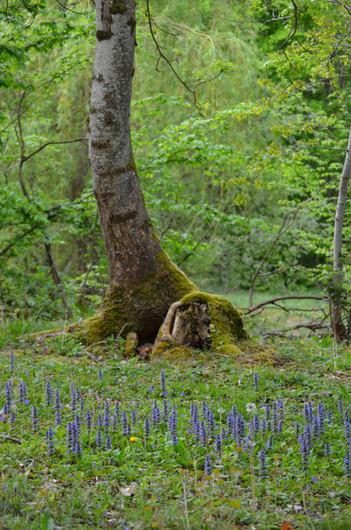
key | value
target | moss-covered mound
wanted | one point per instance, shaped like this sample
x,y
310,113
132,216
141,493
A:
x,y
227,328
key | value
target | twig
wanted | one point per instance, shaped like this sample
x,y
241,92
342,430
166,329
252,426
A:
x,y
167,61
60,142
18,238
7,438
293,29
313,326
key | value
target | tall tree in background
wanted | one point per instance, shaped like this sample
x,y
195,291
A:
x,y
336,292
144,283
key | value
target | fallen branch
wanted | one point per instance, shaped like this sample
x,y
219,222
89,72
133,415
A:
x,y
273,301
313,326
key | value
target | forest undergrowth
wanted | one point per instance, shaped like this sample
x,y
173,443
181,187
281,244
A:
x,y
90,439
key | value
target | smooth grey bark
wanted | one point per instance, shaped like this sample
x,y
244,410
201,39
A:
x,y
143,280
130,241
339,328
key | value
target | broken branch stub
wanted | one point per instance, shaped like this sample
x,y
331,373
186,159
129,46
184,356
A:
x,y
186,324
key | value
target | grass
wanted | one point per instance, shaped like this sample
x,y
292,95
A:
x,y
149,482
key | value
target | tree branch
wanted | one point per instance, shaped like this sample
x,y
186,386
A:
x,y
273,301
60,142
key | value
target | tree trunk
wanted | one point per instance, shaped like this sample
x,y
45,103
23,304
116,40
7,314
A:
x,y
144,282
336,288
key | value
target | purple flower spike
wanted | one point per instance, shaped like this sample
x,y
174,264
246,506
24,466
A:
x,y
146,429
8,397
58,416
203,434
255,381
347,459
218,444
12,362
347,426
106,418
35,420
163,384
23,392
48,393
340,406
98,438
114,422
208,465
165,410
156,414
263,463
327,450
74,397
89,420
172,426
50,441
304,450
125,424
134,417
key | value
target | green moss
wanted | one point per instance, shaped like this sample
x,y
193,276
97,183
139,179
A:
x,y
131,344
227,327
141,309
118,7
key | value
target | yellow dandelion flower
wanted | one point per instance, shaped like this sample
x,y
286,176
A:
x,y
133,439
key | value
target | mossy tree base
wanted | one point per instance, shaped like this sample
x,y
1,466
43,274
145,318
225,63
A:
x,y
142,310
226,325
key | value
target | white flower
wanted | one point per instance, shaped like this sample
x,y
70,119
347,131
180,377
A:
x,y
250,407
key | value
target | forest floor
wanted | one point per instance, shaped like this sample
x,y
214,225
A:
x,y
208,445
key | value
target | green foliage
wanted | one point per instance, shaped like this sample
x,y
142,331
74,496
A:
x,y
263,155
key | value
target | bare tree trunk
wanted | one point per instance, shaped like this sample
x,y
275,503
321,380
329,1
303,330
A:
x,y
336,288
144,282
